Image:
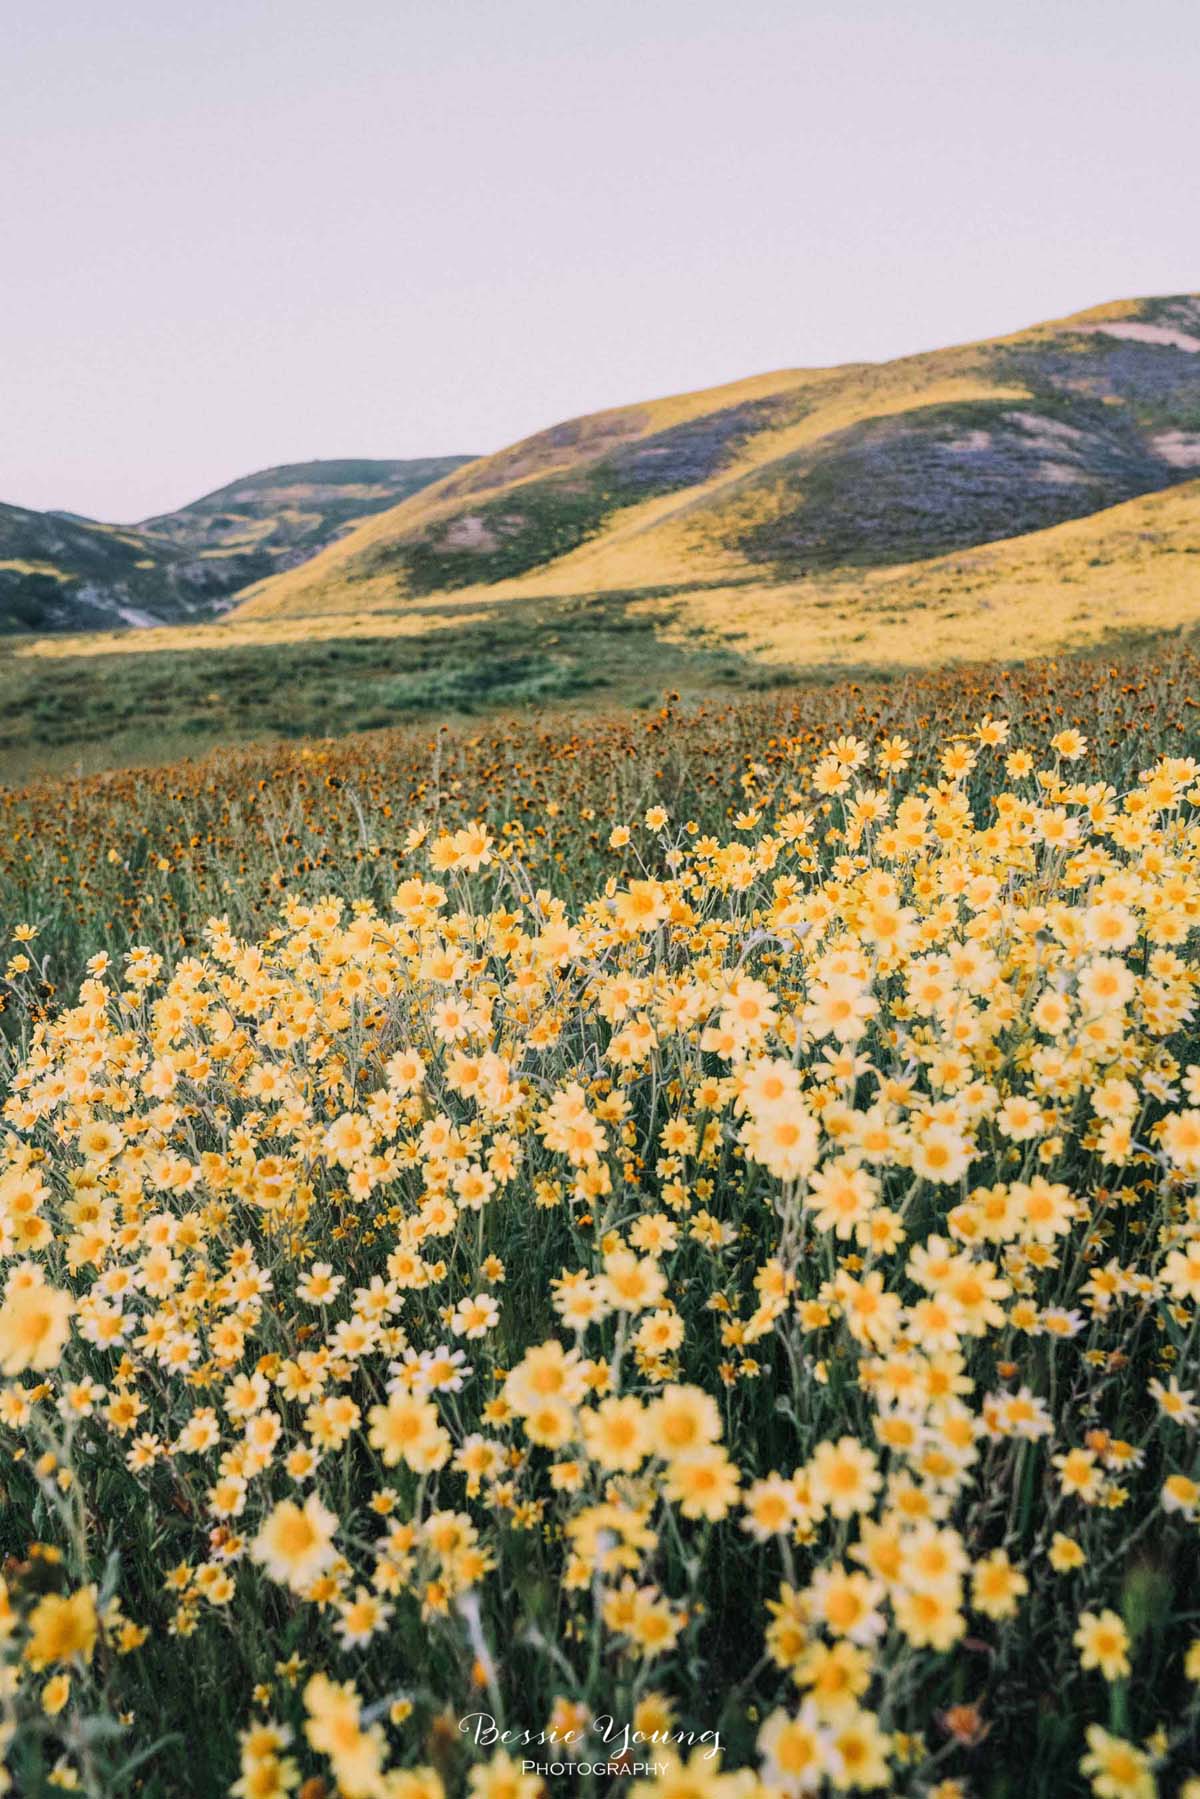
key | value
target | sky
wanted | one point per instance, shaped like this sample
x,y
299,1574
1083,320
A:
x,y
247,232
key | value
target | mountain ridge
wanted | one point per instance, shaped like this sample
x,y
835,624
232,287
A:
x,y
62,571
795,472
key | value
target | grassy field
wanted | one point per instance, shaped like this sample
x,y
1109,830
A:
x,y
1106,583
1129,570
83,704
677,1229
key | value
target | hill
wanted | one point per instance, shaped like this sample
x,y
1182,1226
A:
x,y
800,475
1110,583
292,511
62,572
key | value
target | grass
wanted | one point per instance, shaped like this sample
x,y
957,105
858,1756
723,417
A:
x,y
90,710
1099,584
1134,568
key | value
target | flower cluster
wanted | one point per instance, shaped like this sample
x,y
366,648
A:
x,y
775,1276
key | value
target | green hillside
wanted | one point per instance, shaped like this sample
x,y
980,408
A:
x,y
58,572
289,512
62,572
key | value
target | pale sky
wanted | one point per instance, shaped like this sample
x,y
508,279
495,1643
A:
x,y
242,232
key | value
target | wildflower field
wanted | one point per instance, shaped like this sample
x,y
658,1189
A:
x,y
664,1247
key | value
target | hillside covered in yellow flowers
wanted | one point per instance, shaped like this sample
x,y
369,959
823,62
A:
x,y
804,478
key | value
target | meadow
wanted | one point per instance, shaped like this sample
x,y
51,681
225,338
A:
x,y
80,705
662,1237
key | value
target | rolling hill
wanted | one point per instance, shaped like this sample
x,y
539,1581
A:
x,y
1004,500
61,572
290,512
786,483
